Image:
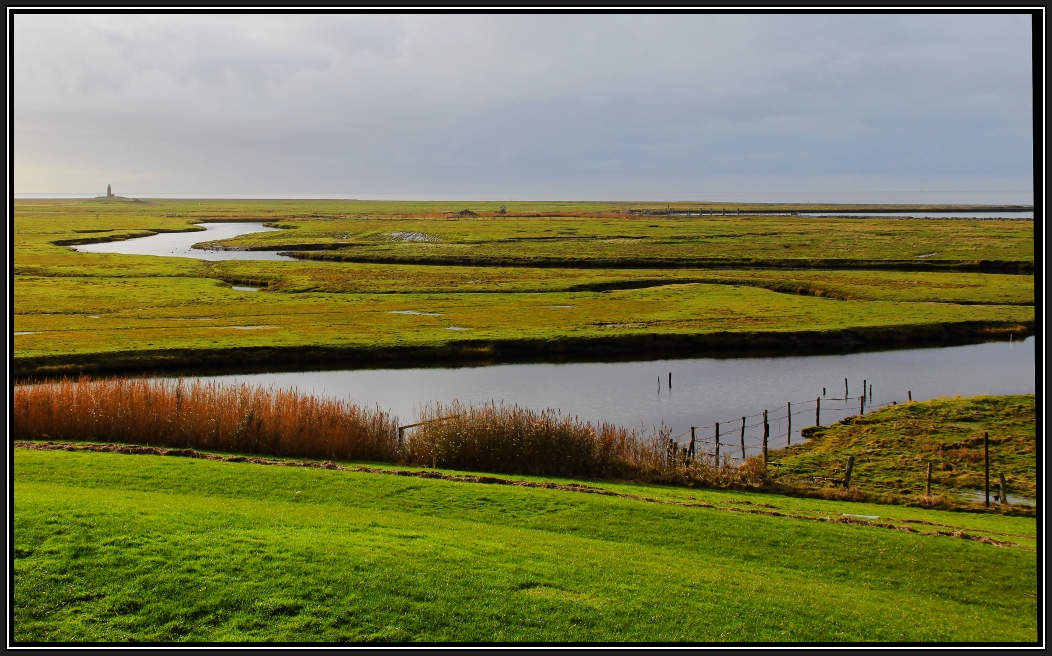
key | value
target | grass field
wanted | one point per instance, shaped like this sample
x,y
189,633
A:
x,y
893,446
77,310
113,547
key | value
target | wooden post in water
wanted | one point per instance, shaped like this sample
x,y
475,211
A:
x,y
766,434
818,411
789,416
864,386
691,442
847,471
670,380
927,486
743,439
823,391
845,389
909,394
986,458
1004,490
871,395
717,444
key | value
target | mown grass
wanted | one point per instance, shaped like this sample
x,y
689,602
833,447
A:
x,y
893,446
124,547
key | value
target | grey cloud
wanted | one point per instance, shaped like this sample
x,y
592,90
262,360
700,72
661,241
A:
x,y
530,104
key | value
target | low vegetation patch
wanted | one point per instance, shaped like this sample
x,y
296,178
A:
x,y
893,446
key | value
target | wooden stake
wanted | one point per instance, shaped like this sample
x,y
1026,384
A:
x,y
1004,490
845,389
818,411
766,434
909,393
862,407
670,380
927,487
743,439
691,442
789,416
986,458
847,471
717,444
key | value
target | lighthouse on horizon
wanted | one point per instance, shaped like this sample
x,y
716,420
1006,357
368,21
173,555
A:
x,y
109,191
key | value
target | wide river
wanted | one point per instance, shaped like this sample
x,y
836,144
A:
x,y
704,390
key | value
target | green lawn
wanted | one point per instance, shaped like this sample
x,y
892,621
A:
x,y
127,547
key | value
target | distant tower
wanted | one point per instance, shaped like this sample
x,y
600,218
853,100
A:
x,y
109,191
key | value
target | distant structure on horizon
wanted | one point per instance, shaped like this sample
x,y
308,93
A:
x,y
109,191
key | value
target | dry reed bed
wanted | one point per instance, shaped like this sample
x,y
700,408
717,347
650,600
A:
x,y
177,413
255,420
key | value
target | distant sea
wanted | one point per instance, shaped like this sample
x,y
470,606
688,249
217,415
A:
x,y
997,197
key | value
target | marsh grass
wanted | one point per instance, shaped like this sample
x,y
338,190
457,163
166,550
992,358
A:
x,y
245,419
509,439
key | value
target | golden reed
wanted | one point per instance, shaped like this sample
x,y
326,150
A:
x,y
255,420
200,415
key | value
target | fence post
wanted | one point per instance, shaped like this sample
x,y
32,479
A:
x,y
789,416
845,389
743,439
927,486
909,393
670,380
1004,490
847,471
766,434
691,442
864,381
818,411
717,445
871,395
862,408
401,432
986,458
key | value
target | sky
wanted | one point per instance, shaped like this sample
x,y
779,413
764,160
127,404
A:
x,y
526,107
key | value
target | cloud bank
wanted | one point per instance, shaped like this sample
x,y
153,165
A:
x,y
611,107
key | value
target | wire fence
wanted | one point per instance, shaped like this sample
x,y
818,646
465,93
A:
x,y
735,440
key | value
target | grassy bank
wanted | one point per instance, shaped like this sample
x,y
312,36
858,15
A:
x,y
115,547
893,446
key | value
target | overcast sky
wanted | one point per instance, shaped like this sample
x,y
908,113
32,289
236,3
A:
x,y
523,107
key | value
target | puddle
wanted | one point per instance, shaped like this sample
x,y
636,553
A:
x,y
557,306
94,316
245,289
25,333
241,327
980,495
410,236
456,328
421,314
919,257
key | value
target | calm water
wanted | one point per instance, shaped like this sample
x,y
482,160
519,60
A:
x,y
703,392
933,215
178,244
